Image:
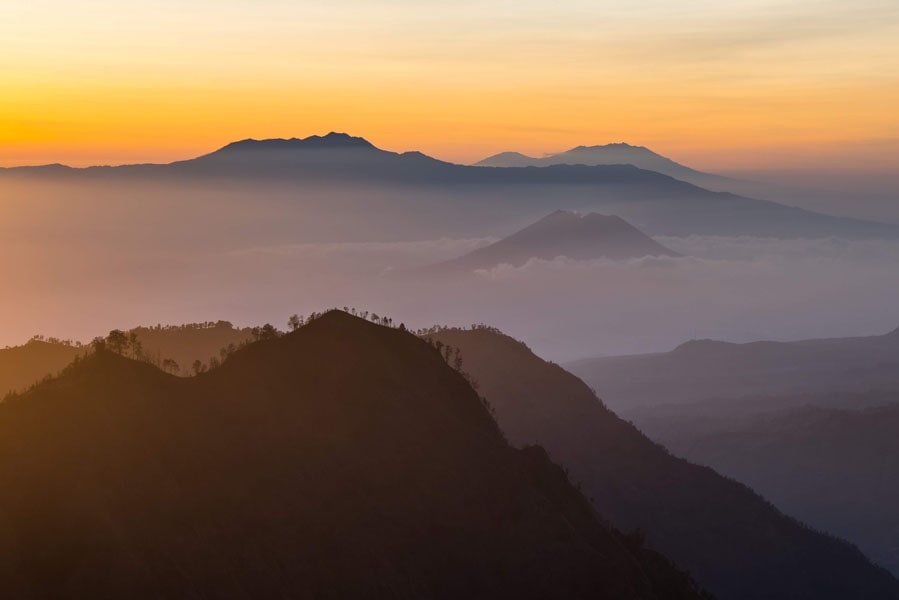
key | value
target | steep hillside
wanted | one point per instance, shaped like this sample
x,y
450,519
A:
x,y
837,470
344,460
734,542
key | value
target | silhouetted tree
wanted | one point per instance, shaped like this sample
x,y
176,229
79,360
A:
x,y
117,341
134,345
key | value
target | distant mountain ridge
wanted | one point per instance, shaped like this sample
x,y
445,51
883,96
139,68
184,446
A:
x,y
708,369
607,154
432,191
559,234
330,141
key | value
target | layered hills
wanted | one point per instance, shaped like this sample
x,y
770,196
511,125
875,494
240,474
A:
x,y
835,468
733,541
710,369
343,460
179,346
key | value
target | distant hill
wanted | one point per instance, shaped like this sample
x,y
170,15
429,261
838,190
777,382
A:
x,y
703,369
194,341
562,233
734,542
608,154
23,366
345,460
304,183
837,470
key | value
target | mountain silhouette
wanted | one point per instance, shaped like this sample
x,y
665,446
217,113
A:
x,y
710,369
344,460
608,154
734,542
349,174
562,233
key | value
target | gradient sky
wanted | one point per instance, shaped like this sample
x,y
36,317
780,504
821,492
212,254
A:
x,y
742,83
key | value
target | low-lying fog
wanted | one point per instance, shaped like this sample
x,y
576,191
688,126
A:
x,y
73,268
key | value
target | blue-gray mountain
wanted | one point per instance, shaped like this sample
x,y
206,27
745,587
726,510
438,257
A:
x,y
333,179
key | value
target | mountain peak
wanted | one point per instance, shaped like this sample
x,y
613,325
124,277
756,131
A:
x,y
330,141
578,236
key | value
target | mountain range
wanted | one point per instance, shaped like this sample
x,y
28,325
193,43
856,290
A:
x,y
733,541
687,512
314,180
610,154
343,460
809,424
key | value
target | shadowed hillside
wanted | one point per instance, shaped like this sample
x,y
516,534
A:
x,y
838,470
735,543
343,460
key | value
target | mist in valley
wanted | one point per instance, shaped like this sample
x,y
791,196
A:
x,y
83,256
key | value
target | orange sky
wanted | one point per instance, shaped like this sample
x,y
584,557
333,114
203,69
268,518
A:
x,y
751,84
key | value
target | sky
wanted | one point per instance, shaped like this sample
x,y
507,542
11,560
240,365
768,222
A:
x,y
717,85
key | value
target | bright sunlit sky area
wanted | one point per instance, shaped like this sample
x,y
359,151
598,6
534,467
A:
x,y
717,85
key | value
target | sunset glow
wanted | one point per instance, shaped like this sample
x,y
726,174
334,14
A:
x,y
746,84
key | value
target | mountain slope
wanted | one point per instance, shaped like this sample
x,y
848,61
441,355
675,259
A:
x,y
343,460
703,369
23,366
561,233
735,543
837,470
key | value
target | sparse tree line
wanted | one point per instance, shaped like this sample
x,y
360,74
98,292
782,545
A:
x,y
191,326
128,343
51,340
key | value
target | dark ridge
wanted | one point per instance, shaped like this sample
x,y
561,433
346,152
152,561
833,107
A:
x,y
731,540
343,460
